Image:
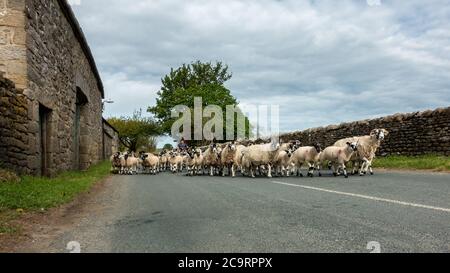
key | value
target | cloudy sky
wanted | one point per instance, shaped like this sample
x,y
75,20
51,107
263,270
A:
x,y
323,62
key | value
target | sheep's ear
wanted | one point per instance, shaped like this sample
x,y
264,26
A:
x,y
348,143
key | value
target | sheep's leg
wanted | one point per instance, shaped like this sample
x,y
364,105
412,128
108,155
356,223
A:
x,y
334,168
269,171
364,167
311,169
287,171
344,168
233,171
318,168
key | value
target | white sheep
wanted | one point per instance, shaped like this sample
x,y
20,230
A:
x,y
198,161
150,163
263,155
227,158
338,156
129,163
309,155
367,148
211,158
175,161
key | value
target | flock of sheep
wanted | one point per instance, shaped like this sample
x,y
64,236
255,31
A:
x,y
267,159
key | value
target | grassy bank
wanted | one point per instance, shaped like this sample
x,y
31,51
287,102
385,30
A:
x,y
38,193
424,162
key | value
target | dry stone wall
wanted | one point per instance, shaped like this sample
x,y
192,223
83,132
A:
x,y
411,134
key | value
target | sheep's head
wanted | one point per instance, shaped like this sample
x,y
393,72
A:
x,y
116,155
144,156
353,145
318,147
380,134
213,147
231,146
289,152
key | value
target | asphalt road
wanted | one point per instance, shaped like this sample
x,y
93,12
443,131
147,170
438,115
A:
x,y
402,211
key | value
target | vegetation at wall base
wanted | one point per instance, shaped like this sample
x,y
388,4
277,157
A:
x,y
422,162
37,193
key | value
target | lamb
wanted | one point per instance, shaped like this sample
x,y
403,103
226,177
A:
x,y
238,156
338,156
129,163
368,146
263,155
189,160
175,161
309,155
227,157
198,161
163,161
150,162
211,158
282,159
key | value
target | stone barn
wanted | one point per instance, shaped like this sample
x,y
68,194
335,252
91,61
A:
x,y
50,91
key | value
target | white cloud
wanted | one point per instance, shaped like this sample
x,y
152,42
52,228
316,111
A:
x,y
322,61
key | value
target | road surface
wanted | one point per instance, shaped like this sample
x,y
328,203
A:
x,y
402,211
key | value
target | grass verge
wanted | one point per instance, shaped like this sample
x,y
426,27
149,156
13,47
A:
x,y
423,162
41,193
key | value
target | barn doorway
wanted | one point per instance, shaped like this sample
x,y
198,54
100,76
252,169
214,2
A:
x,y
80,120
44,137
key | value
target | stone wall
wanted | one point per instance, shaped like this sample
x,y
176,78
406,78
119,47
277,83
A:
x,y
45,54
13,41
13,127
410,134
110,139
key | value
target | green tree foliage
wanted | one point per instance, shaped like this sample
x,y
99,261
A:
x,y
168,147
137,132
198,79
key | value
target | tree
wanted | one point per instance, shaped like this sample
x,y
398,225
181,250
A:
x,y
137,131
168,147
182,85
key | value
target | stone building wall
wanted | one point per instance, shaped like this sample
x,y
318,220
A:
x,y
13,41
410,134
44,52
110,139
13,126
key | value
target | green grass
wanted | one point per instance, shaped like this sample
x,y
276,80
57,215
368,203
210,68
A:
x,y
424,162
37,193
34,193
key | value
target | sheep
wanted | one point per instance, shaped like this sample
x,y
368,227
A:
x,y
190,162
281,161
175,161
198,161
237,161
338,156
150,162
163,161
116,163
309,155
129,163
263,155
227,157
368,146
211,158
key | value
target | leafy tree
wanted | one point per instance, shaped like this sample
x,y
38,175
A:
x,y
168,147
136,131
198,79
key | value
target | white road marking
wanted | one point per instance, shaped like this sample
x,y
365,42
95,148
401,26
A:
x,y
365,197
